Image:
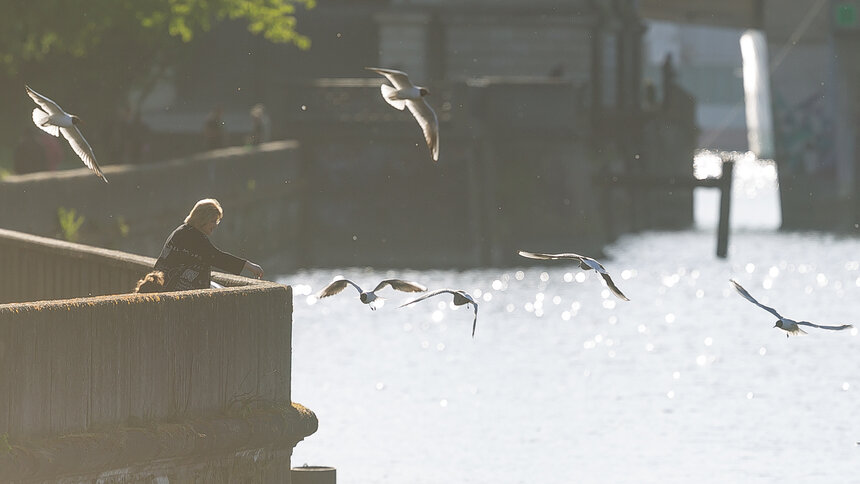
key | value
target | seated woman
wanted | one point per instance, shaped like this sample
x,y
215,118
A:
x,y
188,256
152,282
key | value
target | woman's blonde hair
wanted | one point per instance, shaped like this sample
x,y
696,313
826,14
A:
x,y
204,211
152,282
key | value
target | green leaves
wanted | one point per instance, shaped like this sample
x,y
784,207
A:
x,y
32,31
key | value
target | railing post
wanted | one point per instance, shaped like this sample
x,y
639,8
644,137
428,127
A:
x,y
725,207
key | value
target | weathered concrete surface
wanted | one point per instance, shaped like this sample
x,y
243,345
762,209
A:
x,y
257,438
193,383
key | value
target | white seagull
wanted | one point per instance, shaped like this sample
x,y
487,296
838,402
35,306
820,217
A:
x,y
406,95
53,120
585,263
790,326
370,297
460,298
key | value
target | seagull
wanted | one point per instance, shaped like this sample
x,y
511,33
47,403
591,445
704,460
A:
x,y
406,95
790,326
460,298
370,297
586,263
53,120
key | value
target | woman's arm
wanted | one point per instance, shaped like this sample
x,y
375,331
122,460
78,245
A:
x,y
254,269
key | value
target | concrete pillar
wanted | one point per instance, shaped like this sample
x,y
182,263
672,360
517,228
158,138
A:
x,y
313,475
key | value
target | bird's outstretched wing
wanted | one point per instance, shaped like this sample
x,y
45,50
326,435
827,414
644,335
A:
x,y
40,119
400,285
743,292
428,295
335,287
398,78
82,149
475,319
820,326
429,123
612,286
46,104
545,256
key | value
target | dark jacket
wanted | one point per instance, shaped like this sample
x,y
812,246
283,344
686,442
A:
x,y
188,257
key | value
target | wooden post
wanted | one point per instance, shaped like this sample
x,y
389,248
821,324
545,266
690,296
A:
x,y
725,206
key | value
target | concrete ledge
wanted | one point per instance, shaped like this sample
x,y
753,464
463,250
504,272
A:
x,y
249,424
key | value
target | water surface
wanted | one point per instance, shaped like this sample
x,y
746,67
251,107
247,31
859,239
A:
x,y
687,382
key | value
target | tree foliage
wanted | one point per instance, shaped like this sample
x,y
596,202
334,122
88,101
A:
x,y
35,30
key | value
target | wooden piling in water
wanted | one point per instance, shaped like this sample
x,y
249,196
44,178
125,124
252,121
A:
x,y
725,208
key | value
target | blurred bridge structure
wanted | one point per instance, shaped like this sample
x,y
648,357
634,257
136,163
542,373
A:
x,y
815,93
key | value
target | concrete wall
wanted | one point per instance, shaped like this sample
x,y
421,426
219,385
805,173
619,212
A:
x,y
518,164
90,370
514,171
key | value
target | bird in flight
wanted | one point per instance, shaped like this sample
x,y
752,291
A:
x,y
790,326
53,120
370,297
460,298
406,95
585,263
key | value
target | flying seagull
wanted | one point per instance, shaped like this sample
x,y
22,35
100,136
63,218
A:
x,y
460,298
406,95
586,263
370,297
53,120
790,326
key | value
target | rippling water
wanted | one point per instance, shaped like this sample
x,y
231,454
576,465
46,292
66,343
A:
x,y
687,382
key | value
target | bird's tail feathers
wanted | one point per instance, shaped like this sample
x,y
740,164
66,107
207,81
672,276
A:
x,y
40,119
389,93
